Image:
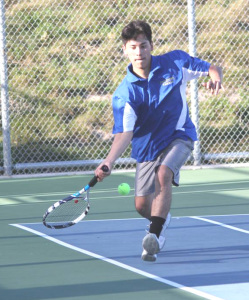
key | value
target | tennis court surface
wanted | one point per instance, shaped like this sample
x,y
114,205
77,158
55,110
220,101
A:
x,y
206,255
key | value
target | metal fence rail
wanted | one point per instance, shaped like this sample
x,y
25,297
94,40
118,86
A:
x,y
65,60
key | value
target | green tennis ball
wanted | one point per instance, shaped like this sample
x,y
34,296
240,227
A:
x,y
124,189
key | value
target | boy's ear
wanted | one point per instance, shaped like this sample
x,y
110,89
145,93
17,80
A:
x,y
124,50
152,46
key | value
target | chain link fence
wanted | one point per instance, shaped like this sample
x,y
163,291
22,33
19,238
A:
x,y
65,60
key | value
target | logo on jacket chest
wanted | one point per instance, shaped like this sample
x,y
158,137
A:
x,y
167,81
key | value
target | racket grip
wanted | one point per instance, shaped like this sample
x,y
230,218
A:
x,y
105,168
95,178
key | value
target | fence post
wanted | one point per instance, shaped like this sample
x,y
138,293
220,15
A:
x,y
4,94
193,83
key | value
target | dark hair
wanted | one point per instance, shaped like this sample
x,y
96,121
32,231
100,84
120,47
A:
x,y
133,29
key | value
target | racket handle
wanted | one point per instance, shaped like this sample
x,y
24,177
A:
x,y
105,168
95,178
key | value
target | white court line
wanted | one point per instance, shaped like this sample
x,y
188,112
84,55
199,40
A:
x,y
140,218
221,224
121,265
61,193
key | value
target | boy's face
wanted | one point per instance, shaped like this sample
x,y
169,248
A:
x,y
139,53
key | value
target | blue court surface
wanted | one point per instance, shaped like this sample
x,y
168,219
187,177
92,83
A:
x,y
205,256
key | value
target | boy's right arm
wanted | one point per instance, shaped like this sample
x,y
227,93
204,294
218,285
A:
x,y
120,143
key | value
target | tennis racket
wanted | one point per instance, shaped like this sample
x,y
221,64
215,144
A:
x,y
70,210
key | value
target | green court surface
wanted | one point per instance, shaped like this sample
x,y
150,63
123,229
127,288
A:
x,y
33,268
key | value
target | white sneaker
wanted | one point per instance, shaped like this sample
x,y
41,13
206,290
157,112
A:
x,y
152,245
162,238
148,257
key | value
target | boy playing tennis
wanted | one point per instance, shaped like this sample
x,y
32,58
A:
x,y
150,110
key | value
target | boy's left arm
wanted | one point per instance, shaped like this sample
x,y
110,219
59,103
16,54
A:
x,y
216,78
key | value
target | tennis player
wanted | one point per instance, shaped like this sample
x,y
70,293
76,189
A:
x,y
150,110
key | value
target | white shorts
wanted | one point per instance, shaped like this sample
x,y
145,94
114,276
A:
x,y
174,157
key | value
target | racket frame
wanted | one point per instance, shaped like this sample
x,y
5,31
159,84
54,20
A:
x,y
86,189
63,201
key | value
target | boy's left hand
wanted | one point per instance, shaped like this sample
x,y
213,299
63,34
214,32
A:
x,y
213,86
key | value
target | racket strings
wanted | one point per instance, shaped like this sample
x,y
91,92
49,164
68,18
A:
x,y
68,211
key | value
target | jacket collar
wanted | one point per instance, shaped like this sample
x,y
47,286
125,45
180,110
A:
x,y
155,65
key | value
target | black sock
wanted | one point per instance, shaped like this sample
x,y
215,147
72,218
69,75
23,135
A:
x,y
156,225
